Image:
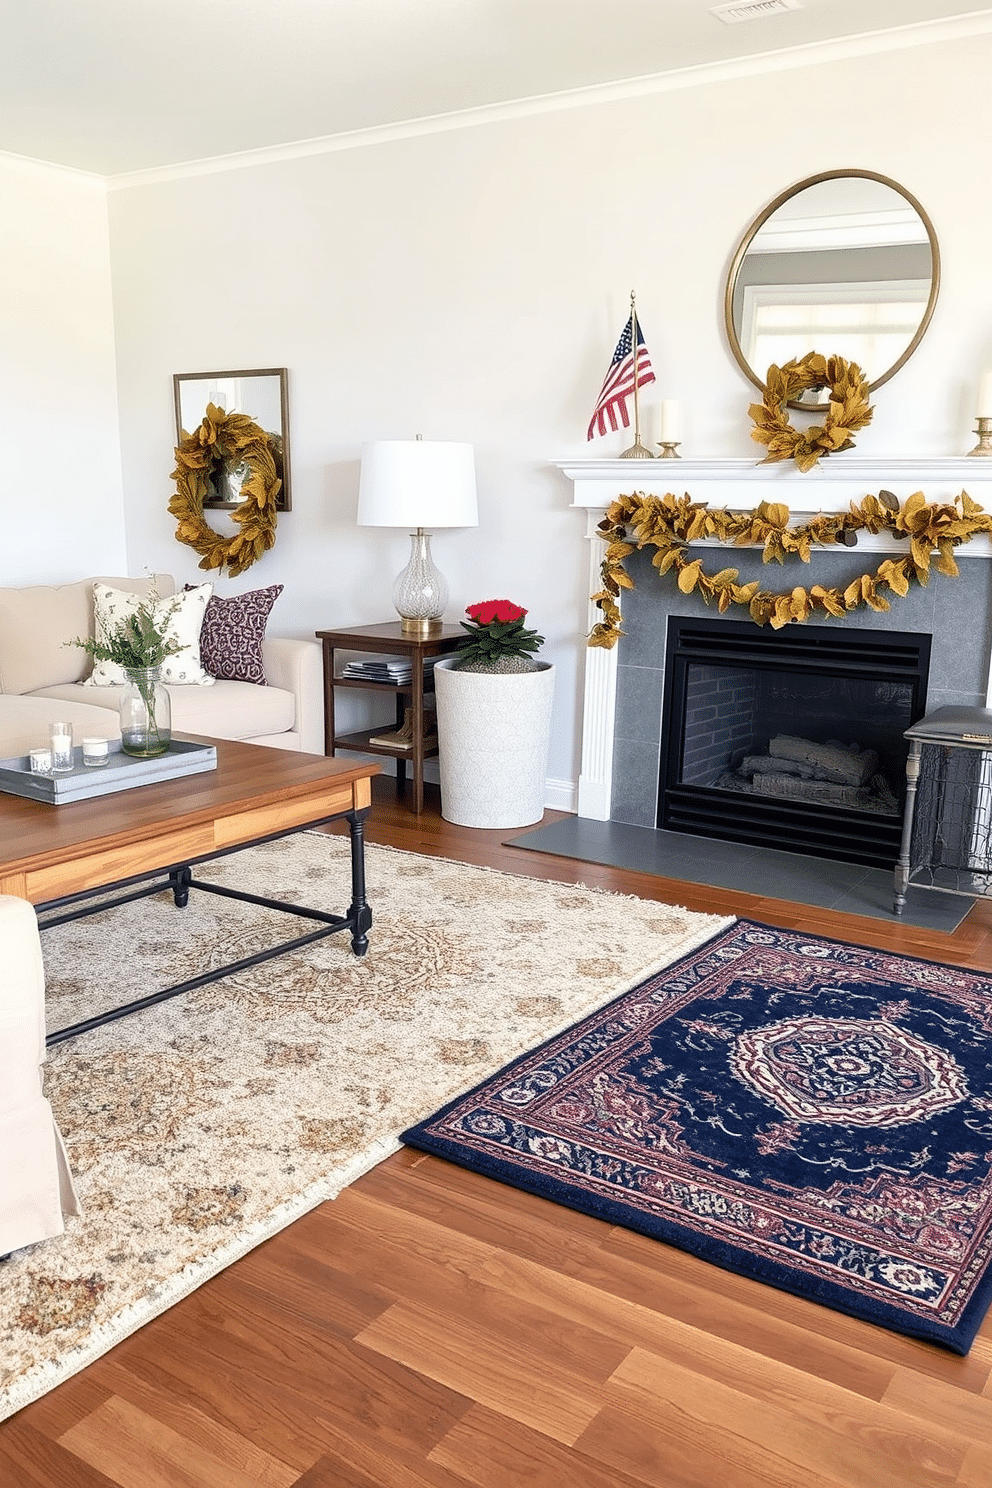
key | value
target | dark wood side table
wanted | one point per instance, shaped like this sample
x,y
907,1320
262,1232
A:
x,y
387,639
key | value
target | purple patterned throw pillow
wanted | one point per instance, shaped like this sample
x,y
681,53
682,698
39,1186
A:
x,y
232,634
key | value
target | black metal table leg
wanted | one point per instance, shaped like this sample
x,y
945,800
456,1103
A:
x,y
359,913
179,882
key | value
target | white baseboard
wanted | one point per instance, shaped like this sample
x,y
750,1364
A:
x,y
561,795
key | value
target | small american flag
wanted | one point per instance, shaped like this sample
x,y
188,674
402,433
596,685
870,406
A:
x,y
619,383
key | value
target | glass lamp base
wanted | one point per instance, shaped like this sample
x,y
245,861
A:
x,y
421,592
421,627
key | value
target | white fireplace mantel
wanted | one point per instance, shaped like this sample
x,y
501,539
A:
x,y
739,485
829,487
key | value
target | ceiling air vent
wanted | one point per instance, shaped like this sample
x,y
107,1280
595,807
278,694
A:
x,y
753,10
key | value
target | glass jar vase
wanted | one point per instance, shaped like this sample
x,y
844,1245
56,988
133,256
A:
x,y
146,713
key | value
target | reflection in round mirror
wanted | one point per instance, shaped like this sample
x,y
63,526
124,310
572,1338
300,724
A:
x,y
845,264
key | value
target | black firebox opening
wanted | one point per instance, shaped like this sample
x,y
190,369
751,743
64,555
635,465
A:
x,y
791,739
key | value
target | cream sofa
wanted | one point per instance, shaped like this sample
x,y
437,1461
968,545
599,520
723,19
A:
x,y
36,1189
41,678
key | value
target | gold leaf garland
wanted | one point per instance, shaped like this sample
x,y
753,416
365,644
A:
x,y
226,438
670,523
847,410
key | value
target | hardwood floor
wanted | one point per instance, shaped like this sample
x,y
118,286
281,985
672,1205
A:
x,y
431,1329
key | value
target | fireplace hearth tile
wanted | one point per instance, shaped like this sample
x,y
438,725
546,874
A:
x,y
823,883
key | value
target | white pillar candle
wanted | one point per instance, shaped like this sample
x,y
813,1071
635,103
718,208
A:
x,y
671,421
60,737
985,396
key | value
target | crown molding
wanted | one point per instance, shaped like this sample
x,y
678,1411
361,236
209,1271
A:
x,y
31,167
812,54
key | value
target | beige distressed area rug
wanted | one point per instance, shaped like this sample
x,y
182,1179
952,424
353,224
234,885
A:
x,y
202,1126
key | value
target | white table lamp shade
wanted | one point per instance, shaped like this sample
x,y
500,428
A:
x,y
417,483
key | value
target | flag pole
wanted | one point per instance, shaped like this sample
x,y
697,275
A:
x,y
637,450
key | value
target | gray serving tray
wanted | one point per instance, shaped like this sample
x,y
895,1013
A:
x,y
121,772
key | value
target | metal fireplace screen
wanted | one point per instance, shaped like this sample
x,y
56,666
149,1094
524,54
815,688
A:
x,y
951,826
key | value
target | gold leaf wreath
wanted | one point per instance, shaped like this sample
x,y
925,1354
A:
x,y
847,410
226,438
669,523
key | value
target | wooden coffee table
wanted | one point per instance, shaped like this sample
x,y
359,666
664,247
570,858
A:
x,y
60,856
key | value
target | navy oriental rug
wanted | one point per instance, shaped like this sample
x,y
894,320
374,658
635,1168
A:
x,y
814,1115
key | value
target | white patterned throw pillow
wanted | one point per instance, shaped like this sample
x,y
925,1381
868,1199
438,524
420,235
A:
x,y
182,617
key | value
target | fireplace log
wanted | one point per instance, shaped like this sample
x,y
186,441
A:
x,y
770,764
825,792
829,761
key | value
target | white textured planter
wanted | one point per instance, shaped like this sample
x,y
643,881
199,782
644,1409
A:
x,y
493,731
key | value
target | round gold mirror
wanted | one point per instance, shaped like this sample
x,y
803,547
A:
x,y
844,263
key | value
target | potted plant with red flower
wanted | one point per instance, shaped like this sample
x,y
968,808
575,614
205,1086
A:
x,y
497,640
494,720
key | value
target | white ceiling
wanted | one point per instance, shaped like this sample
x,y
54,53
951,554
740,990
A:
x,y
115,86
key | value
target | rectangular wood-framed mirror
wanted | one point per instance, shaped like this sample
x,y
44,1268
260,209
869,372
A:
x,y
263,395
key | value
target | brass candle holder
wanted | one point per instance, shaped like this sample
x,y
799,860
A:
x,y
984,432
669,449
637,451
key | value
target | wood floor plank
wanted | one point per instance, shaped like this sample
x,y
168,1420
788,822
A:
x,y
840,1373
976,1470
160,1378
319,1378
968,1373
296,1274
676,1286
666,1372
483,1449
138,1450
356,1461
31,1459
420,1257
672,1451
853,1440
59,1409
155,1395
943,1404
340,1472
493,1370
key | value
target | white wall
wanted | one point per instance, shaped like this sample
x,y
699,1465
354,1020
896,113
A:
x,y
471,285
63,512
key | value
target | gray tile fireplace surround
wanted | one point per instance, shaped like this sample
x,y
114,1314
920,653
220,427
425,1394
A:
x,y
957,612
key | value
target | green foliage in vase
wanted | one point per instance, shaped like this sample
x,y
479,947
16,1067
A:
x,y
140,640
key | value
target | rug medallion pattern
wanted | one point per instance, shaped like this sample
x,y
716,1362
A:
x,y
812,1114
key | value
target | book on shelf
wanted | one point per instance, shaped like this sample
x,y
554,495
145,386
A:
x,y
392,669
395,740
399,740
402,737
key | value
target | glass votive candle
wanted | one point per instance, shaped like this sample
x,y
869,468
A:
x,y
60,735
96,752
40,761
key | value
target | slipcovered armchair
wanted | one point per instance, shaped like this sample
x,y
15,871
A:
x,y
36,1189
